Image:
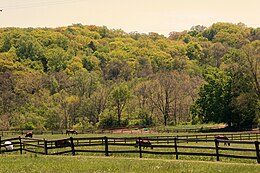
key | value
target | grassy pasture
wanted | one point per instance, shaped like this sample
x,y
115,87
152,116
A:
x,y
151,156
68,164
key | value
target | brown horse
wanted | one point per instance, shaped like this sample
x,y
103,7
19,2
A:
x,y
223,137
29,134
144,143
71,131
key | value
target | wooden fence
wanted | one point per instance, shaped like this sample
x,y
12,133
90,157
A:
x,y
206,129
131,130
163,145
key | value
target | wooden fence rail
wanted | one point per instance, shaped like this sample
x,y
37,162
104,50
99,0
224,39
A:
x,y
254,135
161,146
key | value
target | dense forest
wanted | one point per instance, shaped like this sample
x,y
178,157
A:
x,y
94,77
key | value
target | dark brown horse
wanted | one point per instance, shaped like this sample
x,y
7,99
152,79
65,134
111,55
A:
x,y
223,137
29,134
71,131
144,143
62,143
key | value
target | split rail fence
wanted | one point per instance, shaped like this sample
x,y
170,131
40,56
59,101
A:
x,y
181,146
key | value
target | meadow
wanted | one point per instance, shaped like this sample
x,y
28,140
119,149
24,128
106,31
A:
x,y
117,148
69,164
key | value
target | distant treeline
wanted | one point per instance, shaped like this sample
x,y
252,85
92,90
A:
x,y
87,77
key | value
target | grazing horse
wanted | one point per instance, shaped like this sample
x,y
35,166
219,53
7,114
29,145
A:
x,y
223,137
62,143
29,134
144,143
71,131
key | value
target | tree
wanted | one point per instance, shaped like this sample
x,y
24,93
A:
x,y
241,65
252,56
216,51
194,51
214,102
163,94
57,59
29,47
84,83
143,67
7,98
119,98
99,101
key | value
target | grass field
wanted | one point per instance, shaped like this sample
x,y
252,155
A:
x,y
149,156
69,164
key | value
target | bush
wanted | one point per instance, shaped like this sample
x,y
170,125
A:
x,y
145,118
29,126
107,122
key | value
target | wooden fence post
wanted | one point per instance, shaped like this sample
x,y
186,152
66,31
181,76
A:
x,y
106,146
20,142
72,146
257,151
45,147
140,147
176,148
217,150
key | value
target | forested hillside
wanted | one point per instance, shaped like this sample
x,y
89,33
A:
x,y
91,76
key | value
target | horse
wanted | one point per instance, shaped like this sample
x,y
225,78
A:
x,y
62,143
223,137
29,134
71,131
144,143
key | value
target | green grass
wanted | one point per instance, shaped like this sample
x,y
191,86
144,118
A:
x,y
152,156
68,164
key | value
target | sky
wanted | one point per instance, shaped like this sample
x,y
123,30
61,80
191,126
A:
x,y
143,16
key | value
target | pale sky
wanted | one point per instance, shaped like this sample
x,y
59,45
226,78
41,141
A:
x,y
143,16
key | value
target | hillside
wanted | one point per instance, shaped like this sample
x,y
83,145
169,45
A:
x,y
91,76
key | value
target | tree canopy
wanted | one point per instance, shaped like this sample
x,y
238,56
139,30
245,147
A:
x,y
91,76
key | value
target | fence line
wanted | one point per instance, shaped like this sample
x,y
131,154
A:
x,y
173,146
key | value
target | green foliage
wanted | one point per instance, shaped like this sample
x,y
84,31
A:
x,y
145,118
215,98
194,51
108,121
218,102
119,98
28,126
62,77
56,59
